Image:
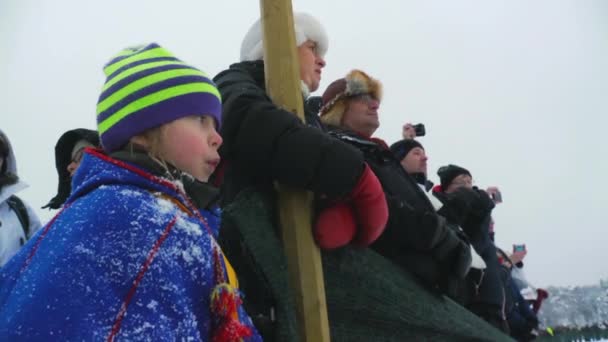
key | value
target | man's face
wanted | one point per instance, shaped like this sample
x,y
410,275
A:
x,y
361,114
311,64
461,181
415,161
75,162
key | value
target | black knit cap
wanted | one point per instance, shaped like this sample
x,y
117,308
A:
x,y
3,153
401,148
449,172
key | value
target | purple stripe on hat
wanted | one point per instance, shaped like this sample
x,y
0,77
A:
x,y
134,52
139,62
172,82
127,80
161,113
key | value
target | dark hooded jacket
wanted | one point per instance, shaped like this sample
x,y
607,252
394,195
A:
x,y
63,157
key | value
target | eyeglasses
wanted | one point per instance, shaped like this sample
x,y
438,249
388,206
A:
x,y
367,98
463,183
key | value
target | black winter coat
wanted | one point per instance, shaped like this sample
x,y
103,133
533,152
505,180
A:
x,y
263,143
488,302
415,238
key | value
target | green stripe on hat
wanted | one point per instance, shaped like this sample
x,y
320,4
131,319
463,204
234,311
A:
x,y
137,69
157,97
137,56
145,82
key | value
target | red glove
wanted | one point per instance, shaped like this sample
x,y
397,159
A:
x,y
370,208
335,226
360,222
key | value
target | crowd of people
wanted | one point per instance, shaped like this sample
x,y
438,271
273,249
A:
x,y
136,247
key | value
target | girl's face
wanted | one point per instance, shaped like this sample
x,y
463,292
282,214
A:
x,y
190,144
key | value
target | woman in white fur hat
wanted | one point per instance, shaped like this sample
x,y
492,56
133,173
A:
x,y
264,144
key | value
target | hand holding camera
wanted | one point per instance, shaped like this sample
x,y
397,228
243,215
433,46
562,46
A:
x,y
410,131
494,194
519,253
519,248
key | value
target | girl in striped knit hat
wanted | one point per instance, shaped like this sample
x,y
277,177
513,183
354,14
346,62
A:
x,y
132,255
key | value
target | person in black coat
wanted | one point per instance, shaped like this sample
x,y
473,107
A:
x,y
416,238
471,208
413,159
68,154
263,144
523,323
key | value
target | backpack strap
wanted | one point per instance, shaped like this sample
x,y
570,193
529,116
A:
x,y
20,210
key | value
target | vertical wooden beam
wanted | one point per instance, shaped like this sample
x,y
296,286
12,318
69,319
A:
x,y
295,206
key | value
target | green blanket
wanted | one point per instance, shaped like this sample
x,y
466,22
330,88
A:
x,y
368,297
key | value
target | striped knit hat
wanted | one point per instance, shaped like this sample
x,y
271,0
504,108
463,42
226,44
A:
x,y
146,87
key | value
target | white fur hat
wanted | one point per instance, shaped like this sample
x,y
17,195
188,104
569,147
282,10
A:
x,y
306,28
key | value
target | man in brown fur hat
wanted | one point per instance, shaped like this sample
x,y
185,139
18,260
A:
x,y
416,238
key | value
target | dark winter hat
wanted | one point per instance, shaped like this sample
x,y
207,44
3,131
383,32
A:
x,y
401,148
334,98
147,87
63,157
3,147
449,172
4,151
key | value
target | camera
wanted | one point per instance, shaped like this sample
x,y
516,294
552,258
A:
x,y
497,197
420,130
519,248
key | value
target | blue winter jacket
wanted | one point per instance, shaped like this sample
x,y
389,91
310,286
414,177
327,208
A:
x,y
124,260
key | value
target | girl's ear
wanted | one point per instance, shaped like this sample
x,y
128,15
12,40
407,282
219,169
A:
x,y
140,140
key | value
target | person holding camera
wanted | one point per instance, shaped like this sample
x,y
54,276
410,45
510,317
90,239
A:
x,y
471,208
413,157
416,238
523,322
410,132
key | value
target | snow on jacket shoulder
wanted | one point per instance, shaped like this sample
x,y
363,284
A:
x,y
122,258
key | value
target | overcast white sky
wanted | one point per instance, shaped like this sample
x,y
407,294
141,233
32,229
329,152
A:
x,y
515,91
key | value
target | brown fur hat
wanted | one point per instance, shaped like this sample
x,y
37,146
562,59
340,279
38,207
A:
x,y
334,98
